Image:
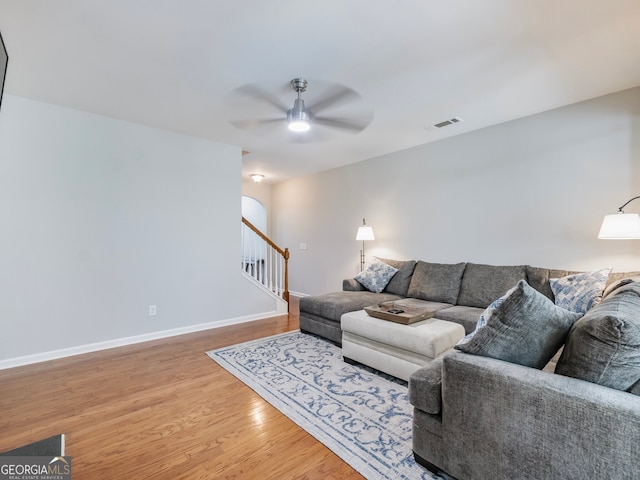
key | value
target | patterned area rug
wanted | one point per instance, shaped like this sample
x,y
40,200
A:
x,y
361,415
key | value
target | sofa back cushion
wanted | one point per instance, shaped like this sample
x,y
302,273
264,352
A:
x,y
539,277
482,284
618,279
436,282
603,347
399,284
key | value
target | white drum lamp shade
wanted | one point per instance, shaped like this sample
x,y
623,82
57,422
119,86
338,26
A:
x,y
621,226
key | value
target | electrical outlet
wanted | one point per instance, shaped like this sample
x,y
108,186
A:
x,y
153,310
303,246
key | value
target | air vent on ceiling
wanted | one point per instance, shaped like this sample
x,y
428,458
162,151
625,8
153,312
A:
x,y
446,123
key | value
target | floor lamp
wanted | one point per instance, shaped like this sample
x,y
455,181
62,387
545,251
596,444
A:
x,y
364,233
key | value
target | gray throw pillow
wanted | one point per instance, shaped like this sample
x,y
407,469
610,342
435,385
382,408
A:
x,y
482,284
399,283
603,347
486,315
526,328
436,282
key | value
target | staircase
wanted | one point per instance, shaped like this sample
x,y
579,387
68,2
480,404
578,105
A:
x,y
264,261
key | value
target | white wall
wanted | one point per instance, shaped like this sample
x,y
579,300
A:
x,y
531,191
102,218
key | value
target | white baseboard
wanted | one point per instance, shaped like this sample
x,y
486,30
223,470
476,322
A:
x,y
121,342
298,294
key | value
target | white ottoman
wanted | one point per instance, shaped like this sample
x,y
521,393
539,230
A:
x,y
393,348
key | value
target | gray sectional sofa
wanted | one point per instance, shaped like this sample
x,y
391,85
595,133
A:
x,y
477,417
465,289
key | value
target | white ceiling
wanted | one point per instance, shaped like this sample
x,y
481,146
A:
x,y
176,64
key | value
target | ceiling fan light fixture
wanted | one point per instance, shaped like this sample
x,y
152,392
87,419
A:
x,y
299,126
303,119
298,118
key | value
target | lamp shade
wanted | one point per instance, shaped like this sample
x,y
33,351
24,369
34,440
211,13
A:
x,y
620,226
365,232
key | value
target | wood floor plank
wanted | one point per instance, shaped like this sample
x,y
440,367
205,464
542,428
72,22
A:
x,y
163,409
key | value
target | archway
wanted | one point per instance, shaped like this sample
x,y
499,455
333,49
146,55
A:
x,y
254,211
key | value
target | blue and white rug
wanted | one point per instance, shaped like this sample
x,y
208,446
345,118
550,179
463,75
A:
x,y
363,416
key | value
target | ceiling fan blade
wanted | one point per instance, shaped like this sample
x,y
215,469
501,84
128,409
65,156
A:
x,y
343,123
337,94
257,93
254,123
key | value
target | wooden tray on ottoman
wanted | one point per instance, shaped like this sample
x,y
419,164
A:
x,y
399,313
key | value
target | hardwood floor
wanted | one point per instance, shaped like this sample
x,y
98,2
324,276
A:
x,y
162,410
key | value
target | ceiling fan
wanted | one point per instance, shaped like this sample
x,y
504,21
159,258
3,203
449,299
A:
x,y
323,110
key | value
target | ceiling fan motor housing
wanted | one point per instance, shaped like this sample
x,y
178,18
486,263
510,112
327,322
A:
x,y
299,85
297,117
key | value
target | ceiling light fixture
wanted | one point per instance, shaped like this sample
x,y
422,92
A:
x,y
256,177
297,117
621,226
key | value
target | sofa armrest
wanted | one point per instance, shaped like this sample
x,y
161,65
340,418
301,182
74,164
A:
x,y
501,419
425,387
352,285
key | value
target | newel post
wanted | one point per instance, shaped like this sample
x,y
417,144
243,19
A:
x,y
286,277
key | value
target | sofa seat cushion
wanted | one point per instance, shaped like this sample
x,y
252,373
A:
x,y
526,328
603,347
465,316
437,282
482,284
425,388
334,305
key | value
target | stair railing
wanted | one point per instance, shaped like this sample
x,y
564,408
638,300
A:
x,y
264,260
